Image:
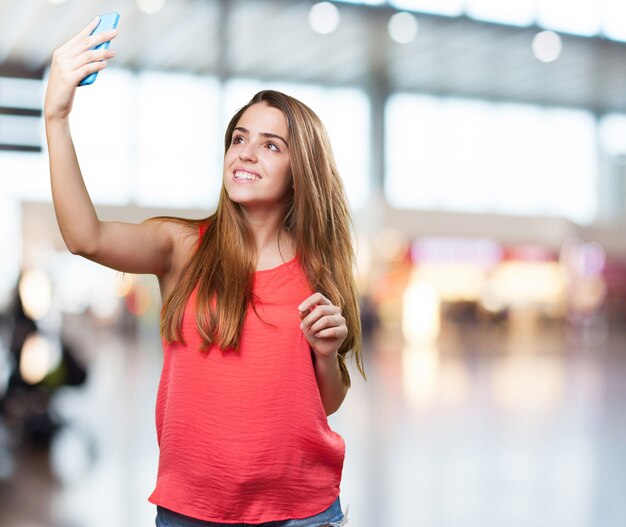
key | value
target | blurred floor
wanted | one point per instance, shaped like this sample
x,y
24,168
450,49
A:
x,y
493,426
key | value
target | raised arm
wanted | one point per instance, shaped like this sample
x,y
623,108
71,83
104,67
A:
x,y
143,248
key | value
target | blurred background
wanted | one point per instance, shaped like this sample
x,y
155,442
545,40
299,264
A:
x,y
483,148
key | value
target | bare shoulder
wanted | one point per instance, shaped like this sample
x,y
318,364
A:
x,y
174,228
180,235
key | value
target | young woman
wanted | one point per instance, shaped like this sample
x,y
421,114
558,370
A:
x,y
259,311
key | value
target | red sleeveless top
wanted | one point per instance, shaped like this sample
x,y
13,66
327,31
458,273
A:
x,y
243,435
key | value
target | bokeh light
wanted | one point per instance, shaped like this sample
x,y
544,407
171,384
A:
x,y
150,6
324,17
35,292
547,46
38,358
402,27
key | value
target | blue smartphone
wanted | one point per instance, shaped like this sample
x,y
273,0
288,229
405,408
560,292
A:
x,y
107,22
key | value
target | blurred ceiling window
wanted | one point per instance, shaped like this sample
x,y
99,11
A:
x,y
614,19
349,136
438,7
102,129
363,2
580,17
474,156
513,12
180,150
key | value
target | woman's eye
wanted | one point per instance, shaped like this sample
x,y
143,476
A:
x,y
237,139
272,146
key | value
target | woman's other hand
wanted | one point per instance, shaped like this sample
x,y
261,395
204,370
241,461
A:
x,y
323,325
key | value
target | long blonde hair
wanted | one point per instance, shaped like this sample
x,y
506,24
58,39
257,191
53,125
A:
x,y
317,217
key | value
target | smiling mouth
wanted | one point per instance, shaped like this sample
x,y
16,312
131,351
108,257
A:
x,y
248,176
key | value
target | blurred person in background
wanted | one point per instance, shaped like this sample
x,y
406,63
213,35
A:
x,y
26,405
259,313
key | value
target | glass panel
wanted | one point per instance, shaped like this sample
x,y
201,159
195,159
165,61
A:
x,y
581,17
178,145
103,135
614,19
10,234
613,134
20,130
364,2
438,7
21,93
25,176
474,156
413,149
515,12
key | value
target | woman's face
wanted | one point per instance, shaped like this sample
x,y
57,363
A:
x,y
256,165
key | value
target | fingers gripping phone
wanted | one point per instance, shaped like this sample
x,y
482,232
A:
x,y
107,22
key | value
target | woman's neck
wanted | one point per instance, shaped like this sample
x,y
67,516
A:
x,y
274,245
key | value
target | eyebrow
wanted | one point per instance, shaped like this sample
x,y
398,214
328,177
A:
x,y
264,134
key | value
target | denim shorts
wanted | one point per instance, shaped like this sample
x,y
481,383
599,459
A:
x,y
331,517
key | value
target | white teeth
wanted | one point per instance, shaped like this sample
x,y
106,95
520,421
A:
x,y
246,175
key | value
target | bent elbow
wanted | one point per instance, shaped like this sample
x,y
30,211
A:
x,y
80,242
80,249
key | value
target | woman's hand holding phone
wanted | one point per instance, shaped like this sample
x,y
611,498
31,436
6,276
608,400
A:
x,y
71,63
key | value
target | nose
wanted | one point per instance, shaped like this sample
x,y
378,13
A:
x,y
247,153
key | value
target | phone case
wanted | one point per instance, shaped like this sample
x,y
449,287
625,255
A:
x,y
107,22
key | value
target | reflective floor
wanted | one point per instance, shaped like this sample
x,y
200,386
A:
x,y
517,425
